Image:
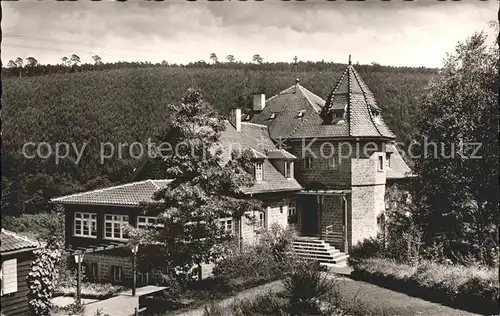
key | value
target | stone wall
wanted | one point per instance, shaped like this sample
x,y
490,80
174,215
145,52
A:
x,y
105,262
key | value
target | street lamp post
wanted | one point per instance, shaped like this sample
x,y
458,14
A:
x,y
78,260
135,248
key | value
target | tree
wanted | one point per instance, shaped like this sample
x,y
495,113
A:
x,y
204,189
31,62
19,65
65,61
458,193
214,58
257,59
75,59
11,64
97,59
230,58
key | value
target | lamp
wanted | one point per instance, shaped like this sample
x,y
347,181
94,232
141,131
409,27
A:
x,y
78,257
134,247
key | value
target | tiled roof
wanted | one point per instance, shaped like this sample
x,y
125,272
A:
x,y
279,154
349,94
256,137
352,95
398,168
286,105
10,241
130,194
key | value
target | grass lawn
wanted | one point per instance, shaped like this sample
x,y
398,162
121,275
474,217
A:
x,y
395,303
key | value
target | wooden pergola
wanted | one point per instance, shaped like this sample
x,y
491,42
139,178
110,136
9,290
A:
x,y
80,252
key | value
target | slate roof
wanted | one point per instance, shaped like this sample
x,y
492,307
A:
x,y
286,105
10,241
130,194
279,154
398,168
256,137
350,94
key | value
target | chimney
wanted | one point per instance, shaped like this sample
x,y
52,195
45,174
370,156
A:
x,y
296,85
259,102
237,119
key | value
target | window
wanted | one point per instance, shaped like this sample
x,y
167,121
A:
x,y
308,163
380,163
388,160
227,224
85,225
292,208
332,162
288,169
9,276
259,174
93,272
261,220
114,225
338,114
376,117
147,222
117,273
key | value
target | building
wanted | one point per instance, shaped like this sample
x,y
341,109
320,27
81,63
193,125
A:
x,y
17,255
346,156
324,163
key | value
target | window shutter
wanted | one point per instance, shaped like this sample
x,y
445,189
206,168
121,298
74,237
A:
x,y
9,276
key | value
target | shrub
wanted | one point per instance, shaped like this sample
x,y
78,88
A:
x,y
268,260
474,287
92,290
368,248
41,280
308,288
46,227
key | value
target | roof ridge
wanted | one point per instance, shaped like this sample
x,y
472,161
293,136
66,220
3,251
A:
x,y
349,97
357,78
307,98
250,123
98,190
154,184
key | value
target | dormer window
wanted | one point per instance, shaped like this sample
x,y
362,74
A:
x,y
288,169
273,116
259,171
337,116
301,113
376,117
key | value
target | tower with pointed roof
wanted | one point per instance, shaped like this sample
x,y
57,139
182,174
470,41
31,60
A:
x,y
345,152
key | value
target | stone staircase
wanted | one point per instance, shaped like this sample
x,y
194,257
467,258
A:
x,y
311,248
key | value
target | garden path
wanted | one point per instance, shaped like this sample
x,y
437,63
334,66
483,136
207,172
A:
x,y
123,304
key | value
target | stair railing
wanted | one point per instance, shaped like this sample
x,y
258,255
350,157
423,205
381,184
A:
x,y
328,231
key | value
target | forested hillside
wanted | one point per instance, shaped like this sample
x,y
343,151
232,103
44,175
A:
x,y
128,105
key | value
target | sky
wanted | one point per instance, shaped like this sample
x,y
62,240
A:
x,y
394,33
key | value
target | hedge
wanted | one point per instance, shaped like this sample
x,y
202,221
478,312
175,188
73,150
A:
x,y
473,288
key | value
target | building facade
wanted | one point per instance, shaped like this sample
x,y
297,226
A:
x,y
320,167
17,255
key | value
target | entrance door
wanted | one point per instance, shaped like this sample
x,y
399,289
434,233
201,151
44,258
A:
x,y
309,215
